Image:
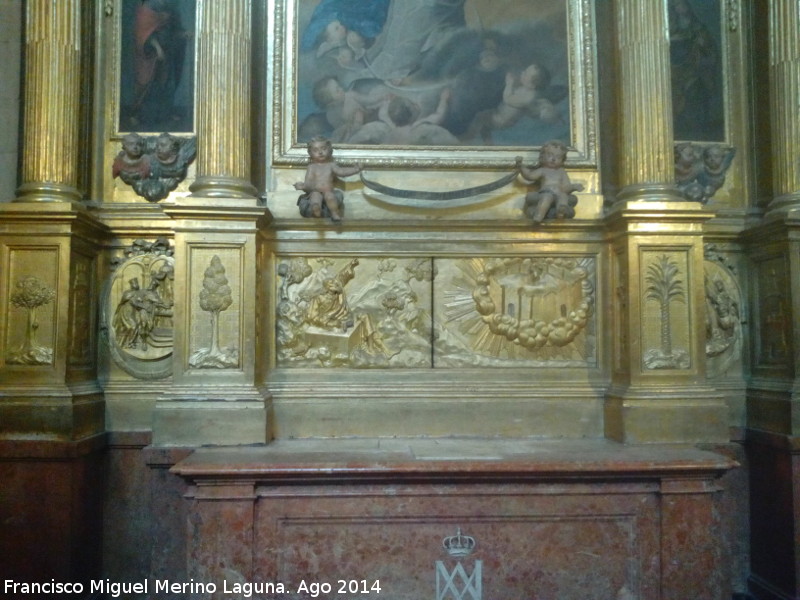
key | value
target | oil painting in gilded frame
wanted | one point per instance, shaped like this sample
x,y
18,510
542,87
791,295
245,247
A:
x,y
433,82
155,45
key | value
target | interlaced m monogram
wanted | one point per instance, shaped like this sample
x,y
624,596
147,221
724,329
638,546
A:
x,y
457,585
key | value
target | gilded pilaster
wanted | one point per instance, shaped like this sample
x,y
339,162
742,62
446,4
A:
x,y
223,99
784,65
646,169
51,101
773,399
658,391
48,302
214,398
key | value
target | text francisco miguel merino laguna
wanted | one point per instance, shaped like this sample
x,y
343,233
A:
x,y
115,589
162,586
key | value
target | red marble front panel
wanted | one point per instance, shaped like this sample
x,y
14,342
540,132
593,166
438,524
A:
x,y
543,542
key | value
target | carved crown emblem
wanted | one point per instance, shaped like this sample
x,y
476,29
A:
x,y
459,545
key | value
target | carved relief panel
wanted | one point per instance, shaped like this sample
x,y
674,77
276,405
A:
x,y
354,312
724,316
137,310
82,309
30,312
666,318
531,311
620,314
214,295
440,313
774,313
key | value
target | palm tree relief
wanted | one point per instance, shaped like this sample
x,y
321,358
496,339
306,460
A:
x,y
215,297
664,286
31,293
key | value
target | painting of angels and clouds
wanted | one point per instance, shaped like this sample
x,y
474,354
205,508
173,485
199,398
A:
x,y
432,72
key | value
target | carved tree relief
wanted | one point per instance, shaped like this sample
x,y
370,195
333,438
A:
x,y
31,293
215,297
665,286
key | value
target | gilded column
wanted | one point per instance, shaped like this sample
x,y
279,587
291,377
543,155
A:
x,y
51,101
784,66
223,102
646,170
658,391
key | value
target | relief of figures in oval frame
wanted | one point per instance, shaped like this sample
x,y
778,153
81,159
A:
x,y
442,83
137,313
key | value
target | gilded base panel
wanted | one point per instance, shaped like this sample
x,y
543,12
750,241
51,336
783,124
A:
x,y
129,410
666,419
214,422
498,417
56,416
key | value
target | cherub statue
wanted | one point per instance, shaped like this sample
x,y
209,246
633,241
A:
x,y
700,170
320,197
554,197
716,160
132,165
153,166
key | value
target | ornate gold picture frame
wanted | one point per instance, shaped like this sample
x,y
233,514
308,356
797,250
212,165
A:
x,y
439,83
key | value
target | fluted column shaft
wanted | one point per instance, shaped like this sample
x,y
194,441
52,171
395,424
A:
x,y
646,134
784,65
223,99
51,101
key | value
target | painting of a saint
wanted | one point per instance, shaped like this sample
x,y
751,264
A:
x,y
696,64
157,65
432,72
